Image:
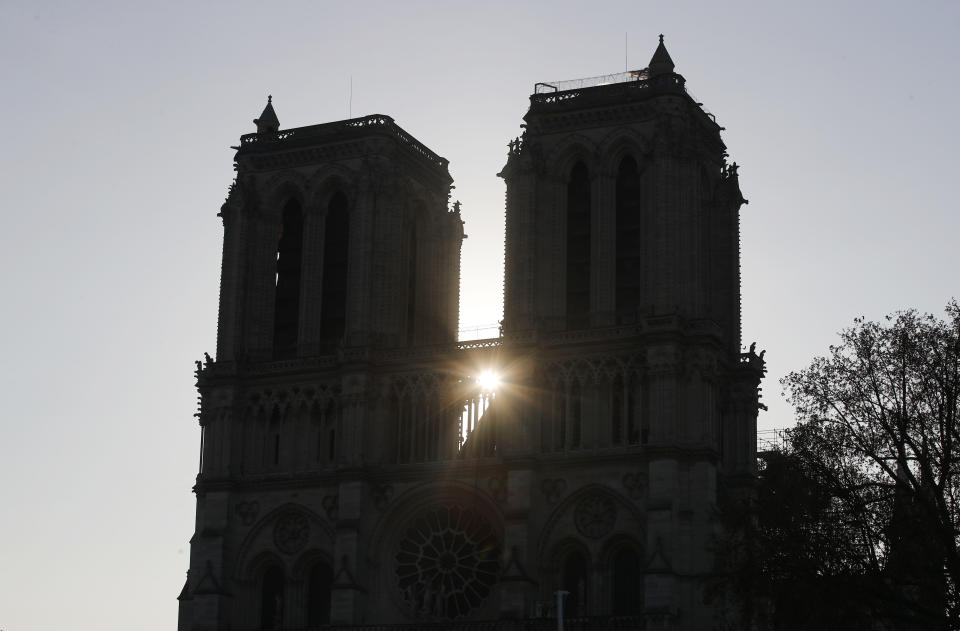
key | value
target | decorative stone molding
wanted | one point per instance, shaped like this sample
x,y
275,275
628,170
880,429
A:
x,y
344,578
259,544
635,484
247,511
280,187
382,494
237,199
553,489
498,488
263,401
331,504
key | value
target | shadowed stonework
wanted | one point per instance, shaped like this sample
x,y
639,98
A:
x,y
356,472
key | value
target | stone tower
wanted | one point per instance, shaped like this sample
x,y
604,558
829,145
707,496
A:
x,y
622,263
356,472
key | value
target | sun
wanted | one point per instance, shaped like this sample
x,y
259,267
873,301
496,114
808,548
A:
x,y
488,380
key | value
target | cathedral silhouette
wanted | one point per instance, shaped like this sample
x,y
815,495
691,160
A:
x,y
362,468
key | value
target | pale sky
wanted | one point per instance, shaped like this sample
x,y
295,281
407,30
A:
x,y
115,157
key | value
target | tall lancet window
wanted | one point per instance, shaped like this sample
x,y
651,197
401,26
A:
x,y
578,247
629,264
333,309
411,283
286,314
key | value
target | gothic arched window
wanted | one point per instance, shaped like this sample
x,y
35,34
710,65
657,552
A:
x,y
627,588
333,308
271,600
629,225
578,247
404,412
318,595
324,420
286,314
271,456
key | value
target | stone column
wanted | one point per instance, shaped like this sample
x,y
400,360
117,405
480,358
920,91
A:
x,y
391,251
353,417
346,600
231,278
662,377
262,288
311,284
217,419
452,241
208,589
660,580
295,603
519,284
604,262
359,267
518,590
552,272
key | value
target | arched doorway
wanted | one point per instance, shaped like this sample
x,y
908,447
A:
x,y
271,600
574,579
626,579
318,595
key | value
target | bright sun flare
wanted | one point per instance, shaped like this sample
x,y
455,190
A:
x,y
488,380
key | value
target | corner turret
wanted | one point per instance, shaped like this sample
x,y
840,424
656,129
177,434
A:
x,y
268,121
660,63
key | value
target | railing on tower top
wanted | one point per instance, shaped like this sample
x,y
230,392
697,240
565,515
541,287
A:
x,y
589,82
554,92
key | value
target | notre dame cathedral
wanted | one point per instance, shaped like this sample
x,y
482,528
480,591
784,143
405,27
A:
x,y
356,470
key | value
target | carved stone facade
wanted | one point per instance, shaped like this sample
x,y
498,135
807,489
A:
x,y
354,472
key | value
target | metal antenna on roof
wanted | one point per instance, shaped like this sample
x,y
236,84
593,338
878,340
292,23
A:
x,y
350,106
626,66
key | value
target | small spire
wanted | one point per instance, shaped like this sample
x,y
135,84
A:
x,y
660,63
268,121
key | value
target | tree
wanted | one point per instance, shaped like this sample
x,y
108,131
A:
x,y
878,431
855,523
790,563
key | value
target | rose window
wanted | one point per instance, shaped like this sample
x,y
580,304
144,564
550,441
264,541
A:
x,y
595,516
291,532
447,563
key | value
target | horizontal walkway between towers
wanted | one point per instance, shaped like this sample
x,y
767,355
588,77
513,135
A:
x,y
592,623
